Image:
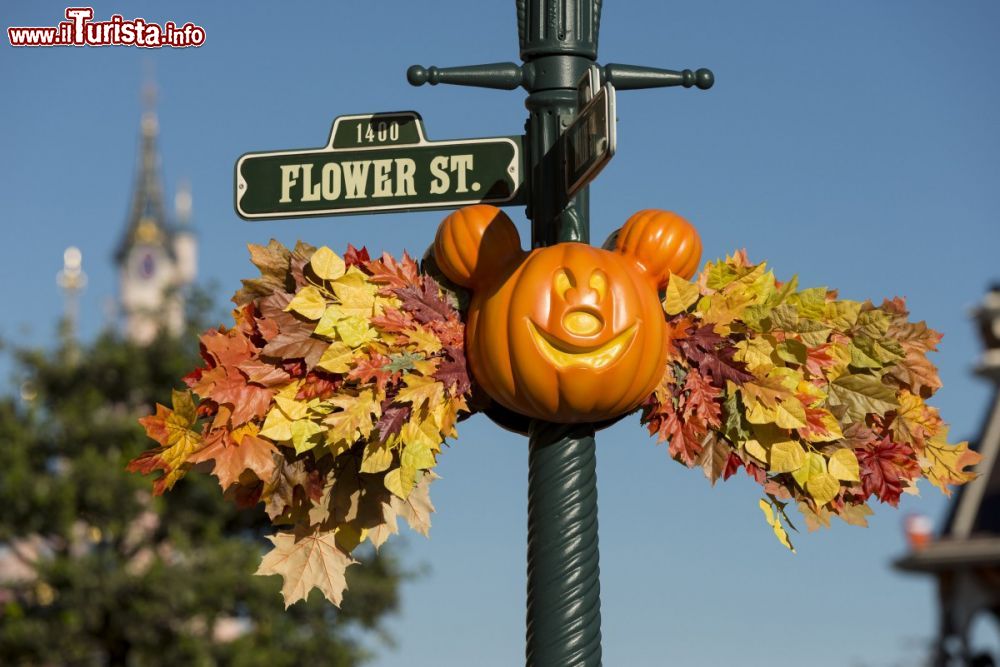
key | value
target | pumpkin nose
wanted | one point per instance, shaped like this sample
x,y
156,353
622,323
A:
x,y
582,323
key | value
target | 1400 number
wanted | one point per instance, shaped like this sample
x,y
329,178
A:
x,y
380,131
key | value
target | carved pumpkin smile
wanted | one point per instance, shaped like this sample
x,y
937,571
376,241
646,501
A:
x,y
564,355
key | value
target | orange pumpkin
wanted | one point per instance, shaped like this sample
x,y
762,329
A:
x,y
568,333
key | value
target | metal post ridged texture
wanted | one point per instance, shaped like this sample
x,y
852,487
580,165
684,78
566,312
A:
x,y
546,27
564,592
564,605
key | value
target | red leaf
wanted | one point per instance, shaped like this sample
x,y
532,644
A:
x,y
387,271
818,358
372,368
701,400
229,385
226,348
454,372
318,384
231,458
355,257
884,465
393,417
732,466
155,425
424,301
394,321
451,331
713,355
759,474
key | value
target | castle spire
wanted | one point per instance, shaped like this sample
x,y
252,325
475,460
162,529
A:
x,y
147,219
156,257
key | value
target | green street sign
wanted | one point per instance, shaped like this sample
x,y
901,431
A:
x,y
375,163
590,141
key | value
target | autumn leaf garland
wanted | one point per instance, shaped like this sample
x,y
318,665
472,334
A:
x,y
331,396
328,401
820,400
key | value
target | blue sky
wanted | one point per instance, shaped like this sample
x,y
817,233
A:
x,y
852,143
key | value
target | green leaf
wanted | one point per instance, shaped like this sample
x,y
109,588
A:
x,y
815,465
792,351
305,434
403,362
862,394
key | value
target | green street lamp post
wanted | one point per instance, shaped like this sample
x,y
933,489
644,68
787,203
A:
x,y
558,42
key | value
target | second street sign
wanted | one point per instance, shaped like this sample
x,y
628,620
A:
x,y
379,162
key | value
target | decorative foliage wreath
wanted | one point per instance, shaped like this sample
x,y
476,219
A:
x,y
331,396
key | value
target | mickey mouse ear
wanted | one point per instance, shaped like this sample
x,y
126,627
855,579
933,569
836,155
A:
x,y
474,243
662,243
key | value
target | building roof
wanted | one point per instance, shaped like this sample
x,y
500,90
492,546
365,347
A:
x,y
971,532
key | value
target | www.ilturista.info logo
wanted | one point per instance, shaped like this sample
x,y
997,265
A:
x,y
81,30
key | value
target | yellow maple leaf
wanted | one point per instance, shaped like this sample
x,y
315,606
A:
x,y
915,421
771,399
425,341
400,481
354,421
292,408
355,331
313,561
337,358
680,295
377,458
420,441
174,430
327,325
305,434
755,352
944,464
277,426
420,389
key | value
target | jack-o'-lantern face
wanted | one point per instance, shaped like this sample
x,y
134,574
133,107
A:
x,y
567,333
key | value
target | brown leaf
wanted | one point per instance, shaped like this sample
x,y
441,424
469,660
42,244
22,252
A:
x,y
713,457
296,344
231,458
416,510
260,372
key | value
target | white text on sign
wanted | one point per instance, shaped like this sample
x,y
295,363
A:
x,y
364,179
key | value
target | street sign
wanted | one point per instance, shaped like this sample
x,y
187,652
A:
x,y
589,84
589,142
375,163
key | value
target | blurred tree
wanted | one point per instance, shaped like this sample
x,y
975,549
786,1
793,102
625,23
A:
x,y
94,570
